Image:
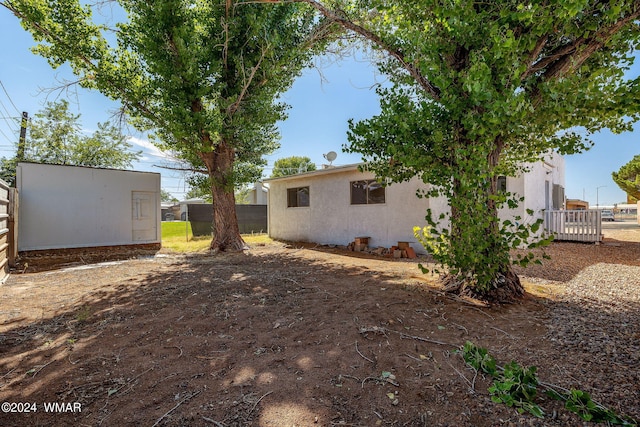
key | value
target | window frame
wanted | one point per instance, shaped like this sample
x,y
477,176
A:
x,y
367,197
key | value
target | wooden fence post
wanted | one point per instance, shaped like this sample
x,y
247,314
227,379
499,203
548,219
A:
x,y
13,226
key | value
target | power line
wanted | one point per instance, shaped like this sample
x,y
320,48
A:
x,y
5,135
8,97
6,118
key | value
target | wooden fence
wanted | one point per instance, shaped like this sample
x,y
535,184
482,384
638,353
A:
x,y
574,225
8,233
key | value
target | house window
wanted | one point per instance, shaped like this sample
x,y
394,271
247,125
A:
x,y
558,196
502,184
367,192
297,197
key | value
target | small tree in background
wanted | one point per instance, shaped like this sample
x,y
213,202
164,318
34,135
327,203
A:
x,y
55,136
242,195
292,165
628,178
166,196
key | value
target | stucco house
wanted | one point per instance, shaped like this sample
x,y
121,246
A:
x,y
337,204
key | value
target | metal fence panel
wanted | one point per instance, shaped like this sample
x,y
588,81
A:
x,y
251,218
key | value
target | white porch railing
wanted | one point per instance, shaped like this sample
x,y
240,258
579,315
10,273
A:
x,y
574,225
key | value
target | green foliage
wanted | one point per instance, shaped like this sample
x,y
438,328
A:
x,y
580,403
292,165
517,387
166,196
8,170
479,358
461,261
481,88
55,136
242,196
199,188
628,178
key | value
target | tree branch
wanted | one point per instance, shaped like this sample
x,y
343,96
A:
x,y
88,63
567,58
535,53
396,53
183,169
234,107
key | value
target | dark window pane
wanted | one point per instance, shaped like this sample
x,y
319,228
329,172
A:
x,y
292,197
303,196
502,183
297,197
376,192
359,193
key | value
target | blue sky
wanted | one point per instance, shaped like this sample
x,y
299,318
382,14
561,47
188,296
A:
x,y
321,100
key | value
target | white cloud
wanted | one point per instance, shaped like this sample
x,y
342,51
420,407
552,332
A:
x,y
150,149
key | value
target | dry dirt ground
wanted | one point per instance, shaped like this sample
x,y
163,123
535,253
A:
x,y
291,335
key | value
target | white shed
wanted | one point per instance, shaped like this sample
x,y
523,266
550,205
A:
x,y
75,207
337,204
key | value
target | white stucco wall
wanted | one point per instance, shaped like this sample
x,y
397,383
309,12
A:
x,y
73,207
331,219
531,185
258,194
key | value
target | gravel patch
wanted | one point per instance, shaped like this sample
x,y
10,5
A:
x,y
596,319
593,318
598,312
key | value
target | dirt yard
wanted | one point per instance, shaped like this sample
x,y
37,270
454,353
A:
x,y
297,335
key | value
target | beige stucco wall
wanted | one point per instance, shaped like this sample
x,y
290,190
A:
x,y
331,219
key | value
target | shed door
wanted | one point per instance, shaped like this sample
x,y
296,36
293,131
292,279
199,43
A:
x,y
143,208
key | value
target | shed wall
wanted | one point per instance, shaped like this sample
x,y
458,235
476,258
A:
x,y
73,207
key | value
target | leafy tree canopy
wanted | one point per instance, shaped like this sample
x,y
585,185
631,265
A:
x,y
478,88
628,178
204,76
55,136
292,165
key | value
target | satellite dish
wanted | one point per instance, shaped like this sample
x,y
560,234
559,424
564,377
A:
x,y
331,156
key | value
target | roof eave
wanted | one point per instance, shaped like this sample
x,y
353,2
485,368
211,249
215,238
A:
x,y
326,171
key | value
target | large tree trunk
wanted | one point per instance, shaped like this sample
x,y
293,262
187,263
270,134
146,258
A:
x,y
480,253
226,233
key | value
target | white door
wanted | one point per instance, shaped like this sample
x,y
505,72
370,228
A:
x,y
547,195
144,215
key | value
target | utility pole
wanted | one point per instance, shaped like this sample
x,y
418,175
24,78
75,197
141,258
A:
x,y
23,136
